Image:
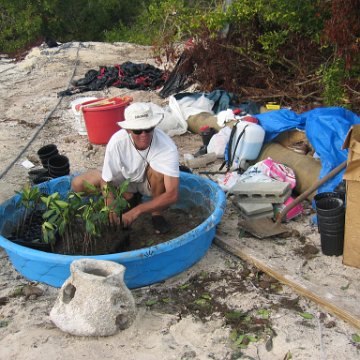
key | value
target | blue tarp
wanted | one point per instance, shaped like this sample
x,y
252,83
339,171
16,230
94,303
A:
x,y
325,128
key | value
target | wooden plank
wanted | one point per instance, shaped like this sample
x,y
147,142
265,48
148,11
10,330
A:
x,y
344,308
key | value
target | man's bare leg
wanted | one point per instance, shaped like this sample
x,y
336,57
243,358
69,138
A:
x,y
157,187
92,176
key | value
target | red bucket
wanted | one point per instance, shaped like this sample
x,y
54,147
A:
x,y
101,121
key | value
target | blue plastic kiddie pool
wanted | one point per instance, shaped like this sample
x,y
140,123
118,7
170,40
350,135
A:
x,y
144,266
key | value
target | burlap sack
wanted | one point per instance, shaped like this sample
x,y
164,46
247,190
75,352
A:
x,y
306,168
195,122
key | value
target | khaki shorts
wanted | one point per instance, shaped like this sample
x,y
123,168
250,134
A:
x,y
134,187
142,187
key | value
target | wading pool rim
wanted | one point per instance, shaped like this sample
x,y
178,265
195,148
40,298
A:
x,y
144,266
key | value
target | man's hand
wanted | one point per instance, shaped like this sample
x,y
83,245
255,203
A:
x,y
129,217
113,218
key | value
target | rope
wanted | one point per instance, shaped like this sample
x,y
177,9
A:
x,y
42,125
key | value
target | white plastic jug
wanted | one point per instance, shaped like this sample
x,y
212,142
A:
x,y
79,119
248,146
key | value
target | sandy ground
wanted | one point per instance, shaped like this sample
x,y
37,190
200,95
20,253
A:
x,y
28,94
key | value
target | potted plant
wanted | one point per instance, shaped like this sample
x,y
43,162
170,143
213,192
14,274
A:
x,y
27,231
82,221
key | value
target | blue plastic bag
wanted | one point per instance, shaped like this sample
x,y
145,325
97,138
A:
x,y
325,128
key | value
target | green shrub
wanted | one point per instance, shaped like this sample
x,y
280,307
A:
x,y
333,76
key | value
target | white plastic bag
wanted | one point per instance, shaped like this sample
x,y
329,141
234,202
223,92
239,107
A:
x,y
218,142
227,181
173,122
178,111
225,116
190,107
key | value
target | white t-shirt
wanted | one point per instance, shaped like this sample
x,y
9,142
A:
x,y
122,161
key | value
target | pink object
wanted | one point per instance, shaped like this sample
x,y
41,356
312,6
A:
x,y
295,211
277,171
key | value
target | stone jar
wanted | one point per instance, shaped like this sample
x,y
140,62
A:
x,y
94,300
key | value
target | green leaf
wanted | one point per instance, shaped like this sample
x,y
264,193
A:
x,y
124,186
241,233
356,338
206,296
345,287
48,213
265,314
184,286
90,227
234,315
151,302
54,196
90,187
18,291
48,226
201,302
252,338
4,323
306,315
62,204
45,200
233,335
62,228
240,339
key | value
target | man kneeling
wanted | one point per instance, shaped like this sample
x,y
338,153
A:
x,y
147,157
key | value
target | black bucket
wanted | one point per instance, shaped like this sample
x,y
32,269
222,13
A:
x,y
59,166
47,152
329,206
332,244
337,220
327,194
331,219
332,224
33,174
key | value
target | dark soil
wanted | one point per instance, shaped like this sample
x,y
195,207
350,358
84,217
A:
x,y
307,251
29,233
141,234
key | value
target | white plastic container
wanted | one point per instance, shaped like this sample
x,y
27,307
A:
x,y
249,145
79,118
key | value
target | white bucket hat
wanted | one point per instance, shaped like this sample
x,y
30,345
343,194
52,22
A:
x,y
140,116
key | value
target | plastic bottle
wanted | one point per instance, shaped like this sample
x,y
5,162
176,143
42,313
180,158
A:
x,y
249,145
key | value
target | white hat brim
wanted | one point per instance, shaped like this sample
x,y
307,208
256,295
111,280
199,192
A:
x,y
141,124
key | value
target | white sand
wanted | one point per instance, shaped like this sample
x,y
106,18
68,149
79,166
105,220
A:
x,y
28,93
